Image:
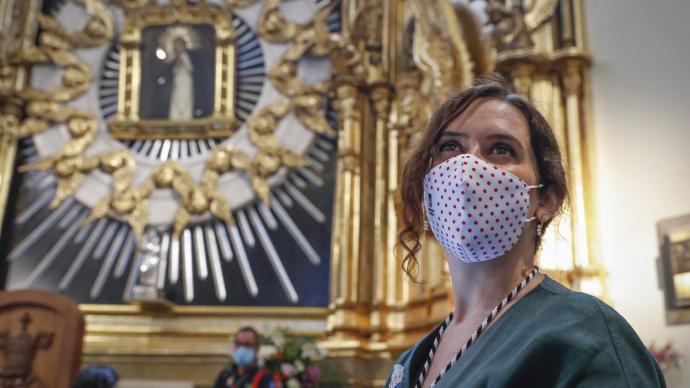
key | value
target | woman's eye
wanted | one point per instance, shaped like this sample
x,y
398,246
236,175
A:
x,y
503,149
449,147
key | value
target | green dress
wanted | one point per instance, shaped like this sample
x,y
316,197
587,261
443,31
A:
x,y
552,337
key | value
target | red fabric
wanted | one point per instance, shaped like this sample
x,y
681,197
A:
x,y
260,375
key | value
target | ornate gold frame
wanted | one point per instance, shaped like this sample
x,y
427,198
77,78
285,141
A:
x,y
127,124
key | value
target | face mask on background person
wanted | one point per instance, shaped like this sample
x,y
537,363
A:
x,y
476,210
244,356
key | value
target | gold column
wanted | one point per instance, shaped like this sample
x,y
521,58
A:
x,y
8,151
18,22
345,246
572,84
380,96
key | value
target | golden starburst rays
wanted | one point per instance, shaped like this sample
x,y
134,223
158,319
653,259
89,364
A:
x,y
128,199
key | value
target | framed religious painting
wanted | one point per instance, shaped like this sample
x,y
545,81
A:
x,y
178,80
197,153
674,267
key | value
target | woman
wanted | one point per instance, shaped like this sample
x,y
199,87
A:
x,y
487,178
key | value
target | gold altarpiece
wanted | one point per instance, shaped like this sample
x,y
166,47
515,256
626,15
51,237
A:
x,y
392,63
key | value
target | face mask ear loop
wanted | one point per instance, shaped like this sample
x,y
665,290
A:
x,y
539,186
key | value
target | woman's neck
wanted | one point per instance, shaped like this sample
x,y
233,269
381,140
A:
x,y
479,287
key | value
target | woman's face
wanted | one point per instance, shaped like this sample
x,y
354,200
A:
x,y
497,132
494,131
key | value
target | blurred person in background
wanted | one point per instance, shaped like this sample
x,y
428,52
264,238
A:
x,y
96,376
244,371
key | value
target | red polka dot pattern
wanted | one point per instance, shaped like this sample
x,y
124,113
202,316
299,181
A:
x,y
475,209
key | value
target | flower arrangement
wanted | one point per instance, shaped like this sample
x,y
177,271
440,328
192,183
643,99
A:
x,y
293,358
666,356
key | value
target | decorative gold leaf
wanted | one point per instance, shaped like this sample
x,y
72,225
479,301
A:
x,y
41,165
197,202
261,188
100,210
209,179
98,30
147,188
138,219
317,33
122,178
66,187
182,184
266,143
240,161
240,3
131,4
538,12
273,26
181,220
292,159
315,122
32,126
76,77
220,208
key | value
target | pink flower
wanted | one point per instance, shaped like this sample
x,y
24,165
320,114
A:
x,y
666,356
288,370
313,373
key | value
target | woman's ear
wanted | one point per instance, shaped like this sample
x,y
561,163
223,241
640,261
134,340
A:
x,y
548,205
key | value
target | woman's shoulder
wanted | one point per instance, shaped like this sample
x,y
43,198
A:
x,y
562,302
582,324
577,311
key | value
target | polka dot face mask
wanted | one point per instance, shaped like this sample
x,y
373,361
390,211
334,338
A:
x,y
476,210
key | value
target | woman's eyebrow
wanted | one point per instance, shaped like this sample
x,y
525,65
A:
x,y
503,136
452,134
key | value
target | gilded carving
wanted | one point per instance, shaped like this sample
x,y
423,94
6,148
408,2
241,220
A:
x,y
76,74
283,75
347,61
310,110
273,26
132,202
240,3
97,31
413,111
205,198
266,164
262,126
435,55
514,24
9,127
131,4
71,165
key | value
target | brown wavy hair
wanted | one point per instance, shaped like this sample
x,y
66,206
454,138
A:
x,y
548,159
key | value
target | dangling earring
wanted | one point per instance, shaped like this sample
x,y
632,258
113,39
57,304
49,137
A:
x,y
426,220
539,229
